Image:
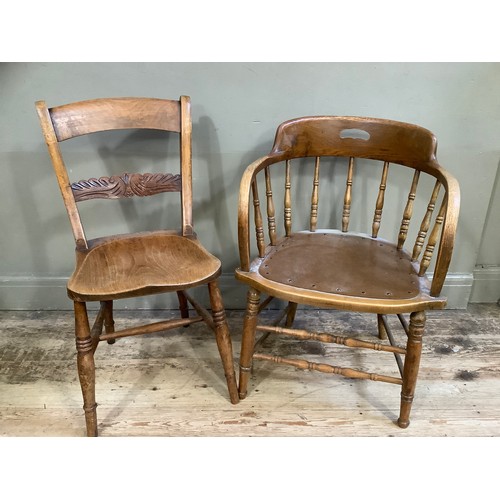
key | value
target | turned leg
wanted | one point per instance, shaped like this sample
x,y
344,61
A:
x,y
411,366
223,340
290,315
86,367
382,334
109,323
248,339
183,304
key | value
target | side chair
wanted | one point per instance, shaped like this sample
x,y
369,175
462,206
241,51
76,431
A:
x,y
121,266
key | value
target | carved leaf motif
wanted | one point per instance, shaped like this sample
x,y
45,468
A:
x,y
125,186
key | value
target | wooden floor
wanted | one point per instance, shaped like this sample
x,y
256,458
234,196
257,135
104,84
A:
x,y
173,385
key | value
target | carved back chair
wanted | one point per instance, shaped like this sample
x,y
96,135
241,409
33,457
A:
x,y
136,264
347,266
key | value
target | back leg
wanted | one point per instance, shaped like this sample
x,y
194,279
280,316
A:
x,y
382,334
183,304
109,323
290,315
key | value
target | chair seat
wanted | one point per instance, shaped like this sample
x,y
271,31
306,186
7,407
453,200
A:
x,y
341,269
140,264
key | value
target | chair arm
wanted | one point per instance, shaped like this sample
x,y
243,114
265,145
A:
x,y
244,206
448,233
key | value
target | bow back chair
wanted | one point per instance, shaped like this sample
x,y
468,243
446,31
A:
x,y
139,263
348,266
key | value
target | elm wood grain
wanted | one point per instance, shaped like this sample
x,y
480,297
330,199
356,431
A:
x,y
173,386
342,269
142,263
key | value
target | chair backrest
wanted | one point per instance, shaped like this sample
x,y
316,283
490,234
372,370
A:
x,y
378,143
373,138
85,117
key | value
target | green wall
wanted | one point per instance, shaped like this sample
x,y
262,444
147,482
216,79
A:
x,y
236,108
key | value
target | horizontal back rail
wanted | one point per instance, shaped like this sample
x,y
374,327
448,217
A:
x,y
86,117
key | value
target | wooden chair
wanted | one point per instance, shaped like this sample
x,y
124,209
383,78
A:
x,y
350,268
136,264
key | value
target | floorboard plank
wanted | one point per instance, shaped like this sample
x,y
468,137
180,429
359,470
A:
x,y
173,384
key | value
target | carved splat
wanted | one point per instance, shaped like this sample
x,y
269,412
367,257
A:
x,y
125,186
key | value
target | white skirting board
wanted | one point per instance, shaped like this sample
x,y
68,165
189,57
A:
x,y
486,284
49,293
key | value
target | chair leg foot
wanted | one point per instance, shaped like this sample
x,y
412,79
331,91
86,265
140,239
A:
x,y
405,409
248,340
411,366
244,373
223,340
91,420
86,366
402,424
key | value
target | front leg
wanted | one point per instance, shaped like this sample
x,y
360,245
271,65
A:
x,y
411,366
86,366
